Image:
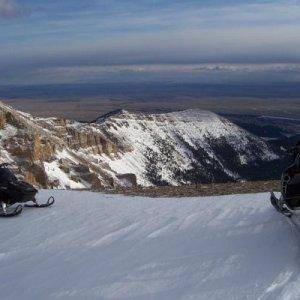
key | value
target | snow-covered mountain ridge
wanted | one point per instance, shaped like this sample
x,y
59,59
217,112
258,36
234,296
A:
x,y
124,148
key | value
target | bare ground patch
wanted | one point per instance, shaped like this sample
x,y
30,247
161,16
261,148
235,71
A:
x,y
214,189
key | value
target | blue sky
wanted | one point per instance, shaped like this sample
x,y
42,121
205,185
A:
x,y
41,40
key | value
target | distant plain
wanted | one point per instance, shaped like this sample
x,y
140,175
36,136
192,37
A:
x,y
88,101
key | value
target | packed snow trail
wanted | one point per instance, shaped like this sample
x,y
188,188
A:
x,y
94,246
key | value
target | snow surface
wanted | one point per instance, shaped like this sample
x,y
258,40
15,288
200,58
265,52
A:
x,y
55,173
95,246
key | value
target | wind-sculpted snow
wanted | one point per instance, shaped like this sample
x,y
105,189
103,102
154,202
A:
x,y
95,246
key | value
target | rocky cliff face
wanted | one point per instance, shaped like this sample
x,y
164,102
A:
x,y
126,149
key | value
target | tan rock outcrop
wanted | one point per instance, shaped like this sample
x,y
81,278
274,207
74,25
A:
x,y
32,142
2,119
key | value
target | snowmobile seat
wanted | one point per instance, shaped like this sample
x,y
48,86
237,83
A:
x,y
6,175
13,190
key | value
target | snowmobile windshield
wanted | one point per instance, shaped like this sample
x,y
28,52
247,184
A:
x,y
6,175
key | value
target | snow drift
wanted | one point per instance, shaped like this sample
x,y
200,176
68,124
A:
x,y
94,246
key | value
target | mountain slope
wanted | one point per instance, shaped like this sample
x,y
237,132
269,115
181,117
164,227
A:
x,y
93,246
126,149
174,148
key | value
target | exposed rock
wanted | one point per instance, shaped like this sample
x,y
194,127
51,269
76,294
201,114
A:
x,y
35,174
128,180
65,168
81,169
2,120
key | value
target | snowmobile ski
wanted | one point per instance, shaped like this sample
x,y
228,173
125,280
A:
x,y
49,202
274,201
11,213
280,207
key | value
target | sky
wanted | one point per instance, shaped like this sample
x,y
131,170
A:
x,y
69,41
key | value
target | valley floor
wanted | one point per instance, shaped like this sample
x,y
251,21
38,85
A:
x,y
95,246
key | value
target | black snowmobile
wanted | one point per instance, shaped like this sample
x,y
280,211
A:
x,y
289,201
13,191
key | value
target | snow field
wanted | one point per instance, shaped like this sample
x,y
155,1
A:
x,y
95,246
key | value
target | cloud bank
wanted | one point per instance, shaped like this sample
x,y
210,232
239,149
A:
x,y
82,38
207,73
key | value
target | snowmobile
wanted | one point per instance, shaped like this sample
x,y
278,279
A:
x,y
289,202
14,191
